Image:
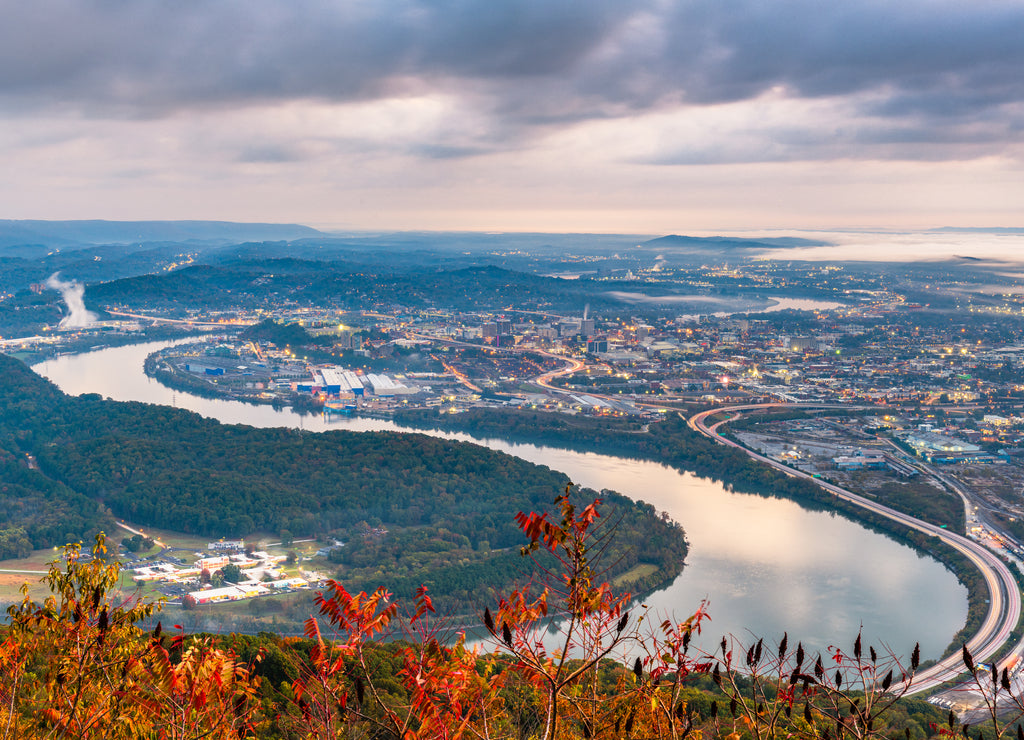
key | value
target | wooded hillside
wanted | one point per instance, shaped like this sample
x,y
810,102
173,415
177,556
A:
x,y
412,508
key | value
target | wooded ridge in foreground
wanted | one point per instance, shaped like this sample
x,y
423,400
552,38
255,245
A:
x,y
78,665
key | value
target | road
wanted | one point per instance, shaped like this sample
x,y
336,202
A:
x,y
544,380
187,322
461,377
139,532
1004,595
30,572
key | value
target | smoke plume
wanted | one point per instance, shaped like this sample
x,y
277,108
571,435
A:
x,y
78,316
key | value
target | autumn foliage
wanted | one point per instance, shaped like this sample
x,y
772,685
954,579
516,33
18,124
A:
x,y
566,656
78,666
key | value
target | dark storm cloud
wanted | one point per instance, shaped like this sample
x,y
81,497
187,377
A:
x,y
523,64
739,48
168,55
926,57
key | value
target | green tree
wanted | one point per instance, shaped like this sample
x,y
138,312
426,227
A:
x,y
14,543
231,573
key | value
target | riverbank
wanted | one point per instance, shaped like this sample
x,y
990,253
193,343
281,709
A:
x,y
411,509
767,564
673,443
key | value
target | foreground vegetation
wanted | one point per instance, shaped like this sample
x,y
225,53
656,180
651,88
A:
x,y
79,665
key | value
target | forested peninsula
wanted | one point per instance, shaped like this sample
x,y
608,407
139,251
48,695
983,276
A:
x,y
412,508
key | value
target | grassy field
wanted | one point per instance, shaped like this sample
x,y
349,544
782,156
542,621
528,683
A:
x,y
192,543
31,570
10,587
169,538
640,570
38,560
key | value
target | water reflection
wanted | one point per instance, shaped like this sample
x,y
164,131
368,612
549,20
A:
x,y
766,565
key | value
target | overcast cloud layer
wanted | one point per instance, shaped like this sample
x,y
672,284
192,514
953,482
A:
x,y
354,112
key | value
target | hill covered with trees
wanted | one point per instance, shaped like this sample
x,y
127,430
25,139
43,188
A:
x,y
412,508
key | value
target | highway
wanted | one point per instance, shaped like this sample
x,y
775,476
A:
x,y
544,380
571,366
1004,595
187,322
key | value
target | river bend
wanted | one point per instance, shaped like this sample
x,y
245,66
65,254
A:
x,y
765,565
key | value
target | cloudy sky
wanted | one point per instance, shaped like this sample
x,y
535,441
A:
x,y
643,116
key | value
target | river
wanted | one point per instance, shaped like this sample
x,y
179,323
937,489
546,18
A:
x,y
721,307
764,565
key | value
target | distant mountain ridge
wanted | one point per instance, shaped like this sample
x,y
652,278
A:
x,y
33,234
982,229
73,233
718,243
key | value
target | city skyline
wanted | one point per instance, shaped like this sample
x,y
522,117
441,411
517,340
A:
x,y
636,117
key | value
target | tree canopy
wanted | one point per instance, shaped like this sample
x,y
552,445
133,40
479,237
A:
x,y
441,510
